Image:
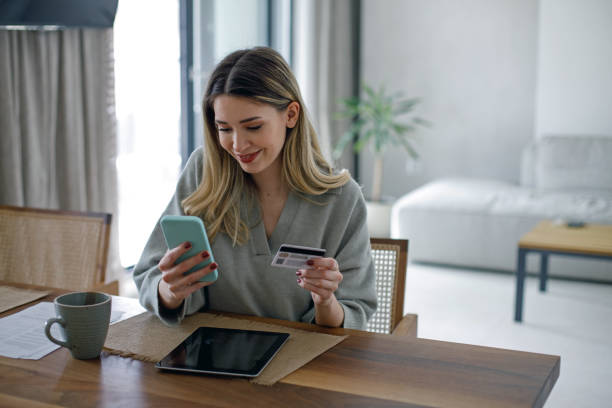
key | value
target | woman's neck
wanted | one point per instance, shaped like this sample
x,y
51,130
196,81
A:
x,y
269,182
272,194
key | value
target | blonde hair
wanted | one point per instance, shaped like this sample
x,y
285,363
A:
x,y
261,74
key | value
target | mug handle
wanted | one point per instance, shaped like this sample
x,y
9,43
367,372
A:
x,y
48,325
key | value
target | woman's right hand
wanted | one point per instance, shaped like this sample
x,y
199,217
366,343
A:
x,y
174,285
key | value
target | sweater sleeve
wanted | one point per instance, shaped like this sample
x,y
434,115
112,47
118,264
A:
x,y
357,291
146,273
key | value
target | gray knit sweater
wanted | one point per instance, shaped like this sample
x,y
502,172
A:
x,y
248,284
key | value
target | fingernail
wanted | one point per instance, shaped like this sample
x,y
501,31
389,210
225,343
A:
x,y
213,266
205,254
187,245
310,262
299,281
298,272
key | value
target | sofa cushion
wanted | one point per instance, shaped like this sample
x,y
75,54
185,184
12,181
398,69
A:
x,y
577,163
484,196
562,205
478,223
457,194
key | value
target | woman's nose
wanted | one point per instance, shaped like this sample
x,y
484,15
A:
x,y
240,142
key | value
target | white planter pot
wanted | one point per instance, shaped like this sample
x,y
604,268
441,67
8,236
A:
x,y
379,219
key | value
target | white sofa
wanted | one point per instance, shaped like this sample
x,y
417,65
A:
x,y
478,222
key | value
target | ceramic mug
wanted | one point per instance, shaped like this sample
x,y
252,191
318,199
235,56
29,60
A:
x,y
83,318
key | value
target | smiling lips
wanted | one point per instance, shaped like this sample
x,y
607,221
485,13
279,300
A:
x,y
247,158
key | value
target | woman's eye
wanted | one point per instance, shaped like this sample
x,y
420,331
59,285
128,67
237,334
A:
x,y
224,129
253,127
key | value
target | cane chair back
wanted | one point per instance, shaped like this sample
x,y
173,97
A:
x,y
58,249
390,262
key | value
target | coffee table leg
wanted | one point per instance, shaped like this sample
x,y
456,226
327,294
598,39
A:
x,y
520,285
543,271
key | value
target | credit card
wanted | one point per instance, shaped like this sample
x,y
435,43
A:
x,y
295,257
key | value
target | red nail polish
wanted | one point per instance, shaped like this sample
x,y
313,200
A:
x,y
205,254
298,273
310,262
213,266
187,245
299,281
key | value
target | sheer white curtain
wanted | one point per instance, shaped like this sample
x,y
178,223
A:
x,y
57,122
323,61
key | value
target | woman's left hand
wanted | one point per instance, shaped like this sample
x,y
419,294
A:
x,y
321,279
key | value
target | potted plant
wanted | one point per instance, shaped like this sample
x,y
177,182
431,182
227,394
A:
x,y
380,120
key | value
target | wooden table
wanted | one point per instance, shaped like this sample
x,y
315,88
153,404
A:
x,y
366,369
549,238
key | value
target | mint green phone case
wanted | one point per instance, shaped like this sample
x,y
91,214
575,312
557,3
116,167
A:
x,y
178,229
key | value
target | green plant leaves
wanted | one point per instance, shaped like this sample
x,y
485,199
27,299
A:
x,y
344,140
405,106
376,120
409,149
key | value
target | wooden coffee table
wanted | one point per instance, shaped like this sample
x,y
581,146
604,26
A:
x,y
548,238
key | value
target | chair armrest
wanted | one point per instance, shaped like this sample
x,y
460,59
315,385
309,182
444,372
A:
x,y
407,327
112,288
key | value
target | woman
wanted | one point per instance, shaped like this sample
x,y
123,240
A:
x,y
260,182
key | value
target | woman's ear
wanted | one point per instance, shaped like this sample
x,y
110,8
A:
x,y
293,113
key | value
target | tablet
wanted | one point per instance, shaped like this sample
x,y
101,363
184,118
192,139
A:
x,y
212,350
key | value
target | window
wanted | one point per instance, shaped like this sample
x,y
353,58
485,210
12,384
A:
x,y
147,74
223,26
148,93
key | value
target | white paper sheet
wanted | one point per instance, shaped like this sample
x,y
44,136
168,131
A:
x,y
22,335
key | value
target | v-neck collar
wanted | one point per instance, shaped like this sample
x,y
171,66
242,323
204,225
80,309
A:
x,y
280,235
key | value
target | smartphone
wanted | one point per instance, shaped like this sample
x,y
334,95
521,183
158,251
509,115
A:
x,y
178,229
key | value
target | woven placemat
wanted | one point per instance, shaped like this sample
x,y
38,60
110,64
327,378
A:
x,y
12,297
145,337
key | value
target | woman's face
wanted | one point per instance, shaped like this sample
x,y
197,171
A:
x,y
253,133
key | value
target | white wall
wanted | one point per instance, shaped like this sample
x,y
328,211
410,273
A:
x,y
574,92
474,63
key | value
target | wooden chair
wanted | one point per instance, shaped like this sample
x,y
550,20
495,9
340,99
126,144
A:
x,y
390,262
57,249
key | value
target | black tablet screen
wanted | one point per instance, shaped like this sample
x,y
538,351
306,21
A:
x,y
225,351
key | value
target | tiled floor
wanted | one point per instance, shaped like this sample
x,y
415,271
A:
x,y
572,319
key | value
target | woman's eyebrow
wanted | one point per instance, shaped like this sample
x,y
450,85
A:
x,y
250,119
242,121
